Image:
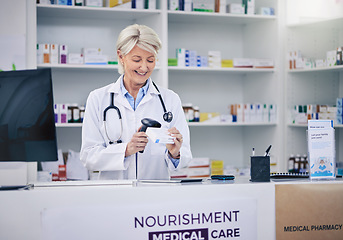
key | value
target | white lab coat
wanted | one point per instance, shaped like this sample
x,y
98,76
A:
x,y
98,155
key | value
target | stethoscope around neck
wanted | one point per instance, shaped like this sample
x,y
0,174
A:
x,y
167,116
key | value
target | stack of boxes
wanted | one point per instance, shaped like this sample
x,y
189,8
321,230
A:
x,y
94,56
197,168
253,113
214,59
302,113
219,6
58,54
127,4
190,58
51,53
298,61
200,168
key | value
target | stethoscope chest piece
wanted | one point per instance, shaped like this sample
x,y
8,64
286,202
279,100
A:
x,y
168,116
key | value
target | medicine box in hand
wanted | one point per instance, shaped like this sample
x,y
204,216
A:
x,y
160,135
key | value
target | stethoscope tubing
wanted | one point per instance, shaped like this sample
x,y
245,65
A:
x,y
167,116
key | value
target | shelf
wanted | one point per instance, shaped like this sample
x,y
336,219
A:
x,y
76,66
82,66
305,125
332,22
236,34
68,125
239,70
335,68
216,18
93,12
232,124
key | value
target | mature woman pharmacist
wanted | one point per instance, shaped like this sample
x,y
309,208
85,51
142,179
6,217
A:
x,y
111,140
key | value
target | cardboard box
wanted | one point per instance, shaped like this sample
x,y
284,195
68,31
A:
x,y
179,173
269,11
263,63
199,162
40,57
75,58
214,59
308,216
54,53
227,63
199,172
203,5
91,51
243,62
96,59
331,58
46,53
181,55
217,167
94,3
173,5
63,54
236,8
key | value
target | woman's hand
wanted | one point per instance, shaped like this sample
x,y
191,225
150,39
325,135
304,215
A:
x,y
137,143
174,149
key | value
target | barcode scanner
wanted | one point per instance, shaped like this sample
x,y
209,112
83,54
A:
x,y
148,122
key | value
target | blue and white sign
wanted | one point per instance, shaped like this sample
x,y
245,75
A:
x,y
321,146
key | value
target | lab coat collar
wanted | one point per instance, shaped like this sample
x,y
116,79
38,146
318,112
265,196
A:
x,y
151,91
119,98
115,88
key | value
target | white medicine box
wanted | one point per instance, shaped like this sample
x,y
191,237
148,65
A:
x,y
54,53
236,8
94,3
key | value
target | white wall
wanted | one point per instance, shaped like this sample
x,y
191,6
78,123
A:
x,y
17,19
301,11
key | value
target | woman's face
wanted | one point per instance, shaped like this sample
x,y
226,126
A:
x,y
138,66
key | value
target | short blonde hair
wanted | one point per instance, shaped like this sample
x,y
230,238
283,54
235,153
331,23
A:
x,y
140,35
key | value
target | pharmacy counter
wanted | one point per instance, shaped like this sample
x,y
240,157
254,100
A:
x,y
122,210
208,210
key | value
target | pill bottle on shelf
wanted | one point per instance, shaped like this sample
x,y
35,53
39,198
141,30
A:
x,y
196,114
189,112
82,113
73,109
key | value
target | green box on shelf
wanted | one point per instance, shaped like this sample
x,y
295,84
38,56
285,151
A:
x,y
172,62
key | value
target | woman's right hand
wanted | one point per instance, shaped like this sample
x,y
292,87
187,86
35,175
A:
x,y
137,143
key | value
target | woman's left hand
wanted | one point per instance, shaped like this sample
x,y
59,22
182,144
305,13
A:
x,y
174,149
